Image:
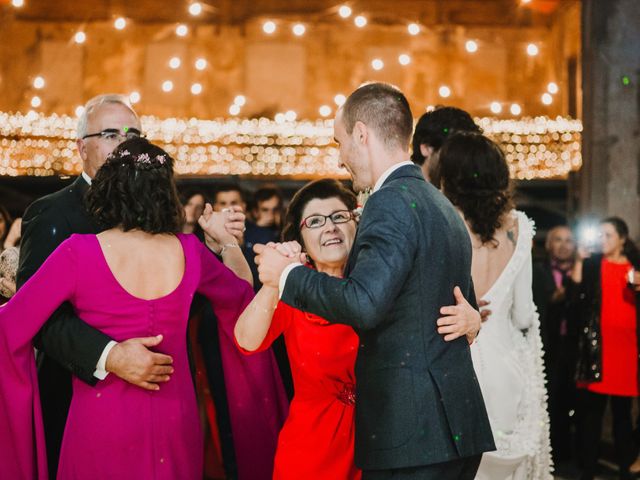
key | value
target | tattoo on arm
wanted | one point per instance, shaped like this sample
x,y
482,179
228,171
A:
x,y
511,235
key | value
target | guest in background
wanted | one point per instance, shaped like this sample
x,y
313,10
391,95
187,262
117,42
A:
x,y
193,202
431,131
5,225
551,278
607,369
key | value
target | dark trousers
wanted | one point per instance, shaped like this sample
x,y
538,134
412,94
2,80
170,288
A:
x,y
460,469
592,408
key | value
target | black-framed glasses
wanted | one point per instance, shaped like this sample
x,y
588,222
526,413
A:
x,y
317,221
113,134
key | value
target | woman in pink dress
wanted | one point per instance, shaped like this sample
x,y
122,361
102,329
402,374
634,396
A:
x,y
137,278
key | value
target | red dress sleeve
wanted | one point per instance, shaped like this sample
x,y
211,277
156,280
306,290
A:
x,y
22,448
280,321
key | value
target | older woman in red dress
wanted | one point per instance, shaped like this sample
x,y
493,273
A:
x,y
317,440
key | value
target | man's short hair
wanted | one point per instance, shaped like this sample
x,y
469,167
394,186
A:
x,y
227,187
552,232
434,128
96,102
384,109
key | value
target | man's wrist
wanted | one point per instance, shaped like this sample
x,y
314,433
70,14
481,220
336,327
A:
x,y
101,371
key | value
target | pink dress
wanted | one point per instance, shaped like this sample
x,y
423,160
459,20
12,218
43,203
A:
x,y
117,430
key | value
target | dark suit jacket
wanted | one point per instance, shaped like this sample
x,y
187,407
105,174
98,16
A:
x,y
418,401
45,225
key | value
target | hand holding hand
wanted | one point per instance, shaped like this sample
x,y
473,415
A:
x,y
459,319
271,262
133,362
222,227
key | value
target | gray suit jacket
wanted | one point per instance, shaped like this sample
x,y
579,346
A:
x,y
418,401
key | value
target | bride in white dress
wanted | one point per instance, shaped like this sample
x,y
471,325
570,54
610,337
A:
x,y
507,355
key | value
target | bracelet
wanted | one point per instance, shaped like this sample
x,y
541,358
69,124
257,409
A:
x,y
228,245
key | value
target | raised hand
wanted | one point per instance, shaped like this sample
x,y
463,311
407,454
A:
x,y
459,319
223,227
271,262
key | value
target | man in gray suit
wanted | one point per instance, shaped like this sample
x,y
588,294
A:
x,y
419,409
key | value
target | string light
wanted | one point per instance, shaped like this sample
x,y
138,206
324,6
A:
x,y
134,97
200,64
552,88
120,23
17,3
324,110
444,91
532,50
404,59
413,28
182,30
471,46
80,37
515,109
495,107
299,29
269,27
36,101
360,21
339,99
36,144
344,11
196,89
234,109
195,9
167,86
290,116
38,82
546,98
174,62
240,100
377,64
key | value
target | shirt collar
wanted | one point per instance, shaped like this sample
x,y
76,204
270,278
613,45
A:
x,y
86,177
388,172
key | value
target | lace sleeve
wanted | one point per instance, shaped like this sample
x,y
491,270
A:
x,y
523,310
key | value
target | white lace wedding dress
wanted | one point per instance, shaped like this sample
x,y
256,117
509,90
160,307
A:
x,y
507,357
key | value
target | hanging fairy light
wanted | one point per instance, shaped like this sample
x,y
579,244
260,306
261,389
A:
x,y
269,27
413,29
240,100
546,99
377,64
182,30
339,99
324,110
36,101
200,64
290,116
195,9
38,82
134,97
174,62
196,89
120,23
471,46
17,3
515,109
444,91
167,86
79,110
495,107
234,109
532,50
344,11
299,29
80,37
552,88
404,59
360,21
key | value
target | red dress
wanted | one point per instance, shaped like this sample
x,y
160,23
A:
x,y
317,439
619,337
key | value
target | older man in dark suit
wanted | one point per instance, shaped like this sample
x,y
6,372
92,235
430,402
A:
x,y
65,343
419,409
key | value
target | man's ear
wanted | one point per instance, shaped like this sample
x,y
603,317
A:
x,y
82,148
360,133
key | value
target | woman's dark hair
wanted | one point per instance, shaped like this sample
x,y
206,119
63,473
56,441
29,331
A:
x,y
318,189
188,193
629,249
134,189
436,126
6,216
475,177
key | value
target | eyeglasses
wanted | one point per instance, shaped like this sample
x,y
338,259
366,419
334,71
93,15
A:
x,y
113,134
317,221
